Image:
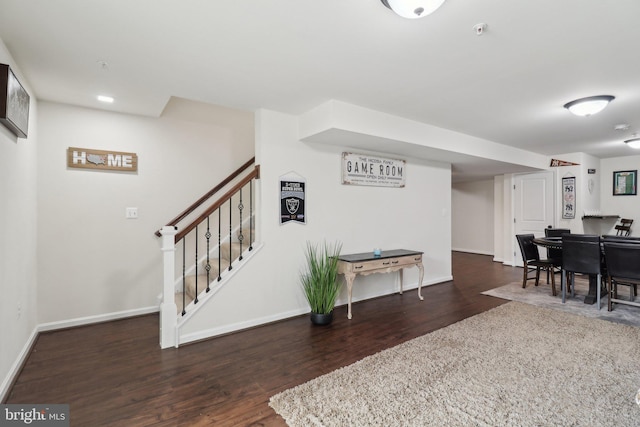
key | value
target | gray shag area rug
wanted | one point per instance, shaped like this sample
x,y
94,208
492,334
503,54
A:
x,y
541,296
514,365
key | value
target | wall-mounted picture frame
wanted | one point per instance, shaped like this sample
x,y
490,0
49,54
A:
x,y
625,183
569,197
14,103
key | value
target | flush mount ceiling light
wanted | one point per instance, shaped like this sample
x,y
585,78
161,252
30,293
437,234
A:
x,y
633,142
589,106
413,9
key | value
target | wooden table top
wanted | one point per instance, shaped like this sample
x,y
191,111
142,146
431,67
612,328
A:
x,y
369,256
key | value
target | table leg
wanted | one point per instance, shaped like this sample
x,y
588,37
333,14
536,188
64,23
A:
x,y
592,296
421,268
401,279
349,278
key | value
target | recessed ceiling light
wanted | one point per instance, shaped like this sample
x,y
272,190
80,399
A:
x,y
104,98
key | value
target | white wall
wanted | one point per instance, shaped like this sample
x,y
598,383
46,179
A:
x,y
335,121
472,216
625,206
18,261
93,264
498,218
586,201
415,217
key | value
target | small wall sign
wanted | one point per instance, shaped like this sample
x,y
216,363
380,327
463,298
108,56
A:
x,y
556,163
362,169
85,158
292,199
568,197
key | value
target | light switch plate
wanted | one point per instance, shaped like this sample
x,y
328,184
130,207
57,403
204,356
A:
x,y
131,213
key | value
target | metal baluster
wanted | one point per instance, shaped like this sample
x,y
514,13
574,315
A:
x,y
184,285
251,215
195,301
208,266
240,235
219,237
230,231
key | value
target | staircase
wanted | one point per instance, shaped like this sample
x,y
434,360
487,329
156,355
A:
x,y
200,285
204,246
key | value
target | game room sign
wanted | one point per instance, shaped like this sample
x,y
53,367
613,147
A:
x,y
84,158
363,169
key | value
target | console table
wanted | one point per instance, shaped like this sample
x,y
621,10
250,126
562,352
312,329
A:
x,y
387,262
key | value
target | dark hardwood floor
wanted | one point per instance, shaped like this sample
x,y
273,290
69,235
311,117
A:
x,y
114,374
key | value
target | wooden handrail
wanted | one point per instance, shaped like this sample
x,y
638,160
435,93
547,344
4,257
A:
x,y
210,193
254,174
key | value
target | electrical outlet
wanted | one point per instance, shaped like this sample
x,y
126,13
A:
x,y
19,310
131,213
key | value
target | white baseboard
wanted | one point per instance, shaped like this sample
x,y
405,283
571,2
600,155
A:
x,y
235,327
5,387
472,251
209,333
81,321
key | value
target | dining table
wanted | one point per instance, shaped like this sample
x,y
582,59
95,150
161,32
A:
x,y
556,243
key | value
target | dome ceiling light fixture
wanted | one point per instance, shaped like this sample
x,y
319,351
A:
x,y
633,142
413,9
590,105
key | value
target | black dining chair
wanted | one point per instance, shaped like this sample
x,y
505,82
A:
x,y
623,268
581,253
620,239
532,261
624,228
555,255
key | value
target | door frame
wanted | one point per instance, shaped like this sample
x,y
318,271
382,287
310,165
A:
x,y
514,249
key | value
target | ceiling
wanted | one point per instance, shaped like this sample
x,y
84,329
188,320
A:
x,y
507,85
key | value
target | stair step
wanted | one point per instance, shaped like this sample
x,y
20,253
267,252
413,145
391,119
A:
x,y
190,281
247,233
178,300
229,250
224,264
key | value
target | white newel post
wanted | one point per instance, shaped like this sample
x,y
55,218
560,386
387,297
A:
x,y
168,308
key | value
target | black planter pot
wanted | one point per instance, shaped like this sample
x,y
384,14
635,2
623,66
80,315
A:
x,y
321,319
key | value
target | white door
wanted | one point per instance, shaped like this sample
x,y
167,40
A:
x,y
533,206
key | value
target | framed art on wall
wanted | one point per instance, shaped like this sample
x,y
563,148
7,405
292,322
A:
x,y
14,103
625,183
568,197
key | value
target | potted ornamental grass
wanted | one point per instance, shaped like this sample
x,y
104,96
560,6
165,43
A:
x,y
320,280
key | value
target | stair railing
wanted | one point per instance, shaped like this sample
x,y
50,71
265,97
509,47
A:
x,y
212,192
180,245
